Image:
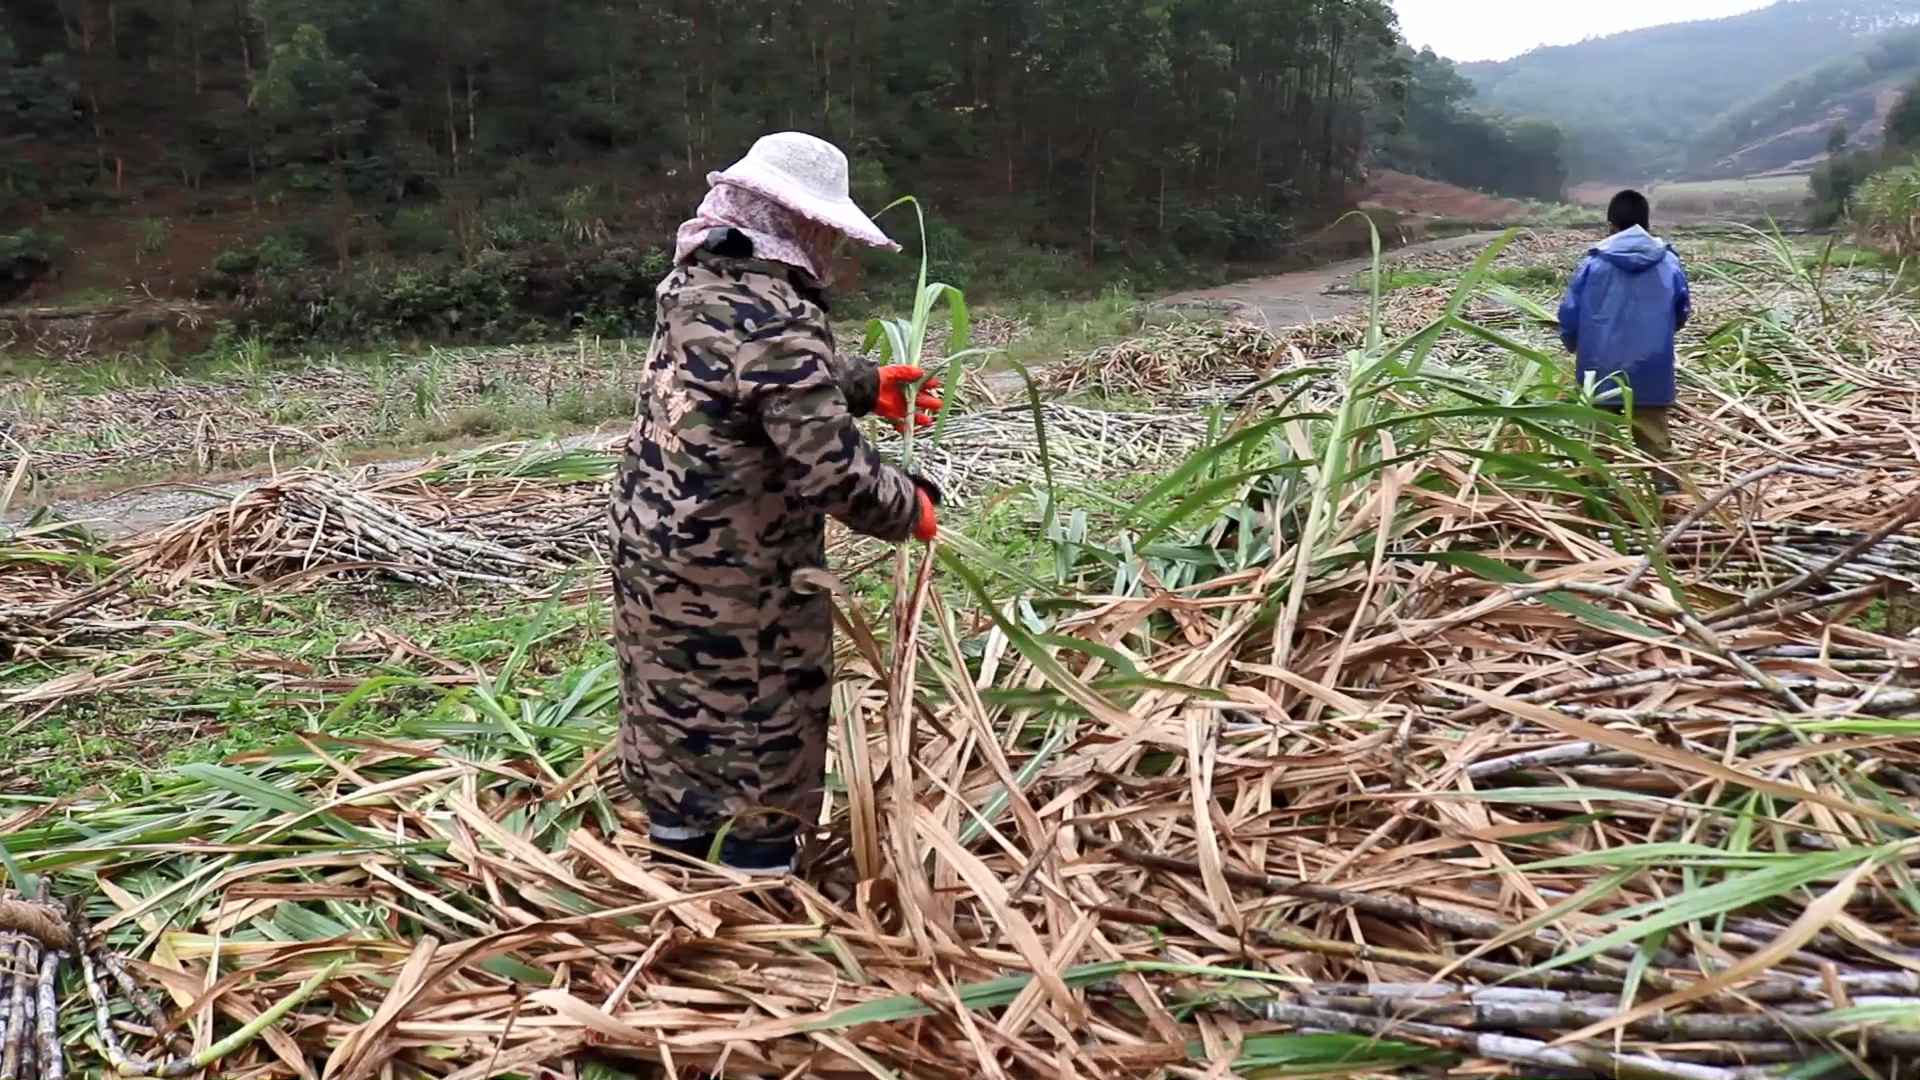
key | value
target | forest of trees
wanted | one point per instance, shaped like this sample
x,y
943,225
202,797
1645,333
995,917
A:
x,y
413,127
1437,134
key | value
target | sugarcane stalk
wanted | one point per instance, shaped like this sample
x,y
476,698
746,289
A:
x,y
1485,1014
1699,630
53,1061
114,1052
186,1066
1600,684
1713,501
143,1003
1529,1052
30,1025
7,946
1371,903
1492,971
26,957
1893,524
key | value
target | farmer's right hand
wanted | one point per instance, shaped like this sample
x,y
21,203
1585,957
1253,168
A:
x,y
926,525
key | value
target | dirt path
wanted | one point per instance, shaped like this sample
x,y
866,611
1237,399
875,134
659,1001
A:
x,y
1286,300
1302,297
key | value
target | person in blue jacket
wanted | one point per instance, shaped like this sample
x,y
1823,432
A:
x,y
1622,310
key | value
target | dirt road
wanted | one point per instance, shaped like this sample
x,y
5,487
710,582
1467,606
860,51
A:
x,y
1303,297
1286,300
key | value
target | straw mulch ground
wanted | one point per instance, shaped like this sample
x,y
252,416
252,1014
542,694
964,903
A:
x,y
250,410
1482,791
490,903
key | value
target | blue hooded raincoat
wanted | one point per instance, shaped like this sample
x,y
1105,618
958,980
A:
x,y
1624,306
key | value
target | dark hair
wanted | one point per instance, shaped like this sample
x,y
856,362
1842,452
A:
x,y
1629,208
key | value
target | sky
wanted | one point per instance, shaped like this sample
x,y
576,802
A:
x,y
1467,30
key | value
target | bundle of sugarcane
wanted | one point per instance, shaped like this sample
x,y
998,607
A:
x,y
35,940
38,941
1165,358
1765,548
995,448
314,524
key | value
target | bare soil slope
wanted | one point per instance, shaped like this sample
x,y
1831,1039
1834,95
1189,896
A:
x,y
1798,142
1389,190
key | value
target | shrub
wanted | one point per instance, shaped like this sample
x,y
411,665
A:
x,y
282,252
236,263
545,292
1232,231
517,225
1834,184
152,234
25,257
1887,211
420,231
233,272
870,184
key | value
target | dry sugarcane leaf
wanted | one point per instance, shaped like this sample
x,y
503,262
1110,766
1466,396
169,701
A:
x,y
993,893
354,1058
696,914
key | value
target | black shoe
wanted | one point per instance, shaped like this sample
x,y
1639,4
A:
x,y
696,846
761,858
757,858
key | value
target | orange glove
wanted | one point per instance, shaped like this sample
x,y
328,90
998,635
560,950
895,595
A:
x,y
926,526
892,403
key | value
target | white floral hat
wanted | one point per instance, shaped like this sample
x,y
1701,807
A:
x,y
808,176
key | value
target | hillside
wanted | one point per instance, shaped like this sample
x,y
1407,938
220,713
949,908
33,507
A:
x,y
1787,129
1419,197
1647,98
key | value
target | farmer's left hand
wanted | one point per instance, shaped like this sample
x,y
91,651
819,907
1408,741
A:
x,y
892,404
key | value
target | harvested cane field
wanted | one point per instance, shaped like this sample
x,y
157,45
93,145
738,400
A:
x,y
1331,702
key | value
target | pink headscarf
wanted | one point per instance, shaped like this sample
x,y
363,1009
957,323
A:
x,y
778,234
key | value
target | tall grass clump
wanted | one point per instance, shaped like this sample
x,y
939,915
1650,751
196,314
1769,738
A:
x,y
1887,211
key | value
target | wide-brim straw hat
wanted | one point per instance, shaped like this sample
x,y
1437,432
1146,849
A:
x,y
808,176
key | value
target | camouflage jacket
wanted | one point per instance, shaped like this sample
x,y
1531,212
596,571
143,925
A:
x,y
746,436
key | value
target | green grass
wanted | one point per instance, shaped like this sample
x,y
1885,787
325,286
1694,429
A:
x,y
1894,617
226,689
1783,197
264,401
1064,327
1850,256
426,401
1518,277
241,683
85,298
250,360
1561,215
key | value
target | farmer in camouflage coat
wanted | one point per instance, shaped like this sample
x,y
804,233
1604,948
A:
x,y
745,442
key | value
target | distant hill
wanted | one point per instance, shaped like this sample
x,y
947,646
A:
x,y
1787,129
1639,104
